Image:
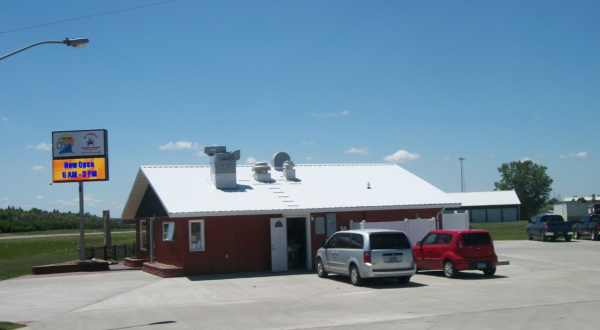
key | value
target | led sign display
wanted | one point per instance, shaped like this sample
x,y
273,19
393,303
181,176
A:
x,y
79,156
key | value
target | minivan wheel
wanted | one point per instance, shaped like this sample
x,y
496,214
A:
x,y
449,269
404,279
321,269
355,278
489,272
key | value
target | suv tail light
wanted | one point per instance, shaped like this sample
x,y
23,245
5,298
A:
x,y
547,226
367,256
597,226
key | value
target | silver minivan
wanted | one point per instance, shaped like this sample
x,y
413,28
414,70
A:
x,y
367,253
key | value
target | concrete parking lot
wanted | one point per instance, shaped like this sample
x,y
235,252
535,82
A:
x,y
550,285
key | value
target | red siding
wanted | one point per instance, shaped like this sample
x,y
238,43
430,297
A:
x,y
243,243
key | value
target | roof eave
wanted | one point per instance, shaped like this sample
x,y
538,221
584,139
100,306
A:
x,y
309,211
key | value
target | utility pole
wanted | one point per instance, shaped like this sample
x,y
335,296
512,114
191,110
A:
x,y
463,188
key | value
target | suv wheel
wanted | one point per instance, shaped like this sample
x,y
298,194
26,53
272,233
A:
x,y
529,236
355,278
567,238
576,234
489,272
449,269
321,269
594,235
543,236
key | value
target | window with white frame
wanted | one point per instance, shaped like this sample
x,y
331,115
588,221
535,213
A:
x,y
196,235
168,231
143,235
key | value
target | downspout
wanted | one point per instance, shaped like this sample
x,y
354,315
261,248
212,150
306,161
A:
x,y
151,247
438,218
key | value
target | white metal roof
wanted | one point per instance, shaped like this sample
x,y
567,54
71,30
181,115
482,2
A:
x,y
487,198
187,191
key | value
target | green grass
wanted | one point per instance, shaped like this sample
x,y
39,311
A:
x,y
504,231
62,231
18,256
10,326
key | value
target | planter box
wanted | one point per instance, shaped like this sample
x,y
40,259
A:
x,y
162,270
75,266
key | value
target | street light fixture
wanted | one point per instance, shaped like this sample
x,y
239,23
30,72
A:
x,y
78,43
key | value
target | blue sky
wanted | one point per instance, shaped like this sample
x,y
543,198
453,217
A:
x,y
417,83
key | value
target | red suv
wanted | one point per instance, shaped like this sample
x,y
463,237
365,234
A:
x,y
456,250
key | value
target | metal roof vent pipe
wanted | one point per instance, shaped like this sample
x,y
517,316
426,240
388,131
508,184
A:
x,y
289,173
262,172
222,167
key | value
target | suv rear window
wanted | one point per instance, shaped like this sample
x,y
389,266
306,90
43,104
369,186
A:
x,y
476,239
389,241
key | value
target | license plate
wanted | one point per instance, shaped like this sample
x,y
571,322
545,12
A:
x,y
392,259
481,265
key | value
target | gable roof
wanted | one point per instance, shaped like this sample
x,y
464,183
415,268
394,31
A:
x,y
187,191
487,198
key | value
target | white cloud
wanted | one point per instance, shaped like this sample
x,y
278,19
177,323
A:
x,y
42,146
88,200
492,155
524,159
37,168
250,160
331,114
309,144
309,158
401,156
179,145
3,118
357,151
39,197
582,154
446,159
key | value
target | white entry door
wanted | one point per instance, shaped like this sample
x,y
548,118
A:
x,y
279,260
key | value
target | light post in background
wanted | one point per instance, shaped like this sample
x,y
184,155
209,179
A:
x,y
77,43
463,188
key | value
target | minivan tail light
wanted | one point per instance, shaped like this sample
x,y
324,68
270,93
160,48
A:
x,y
367,257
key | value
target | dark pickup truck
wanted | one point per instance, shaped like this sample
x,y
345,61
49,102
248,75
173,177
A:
x,y
549,226
588,225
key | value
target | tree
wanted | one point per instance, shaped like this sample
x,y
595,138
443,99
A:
x,y
530,182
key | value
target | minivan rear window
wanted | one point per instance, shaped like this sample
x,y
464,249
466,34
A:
x,y
476,239
389,241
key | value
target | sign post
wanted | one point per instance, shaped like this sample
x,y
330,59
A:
x,y
79,156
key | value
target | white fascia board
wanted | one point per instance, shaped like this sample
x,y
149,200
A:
x,y
309,211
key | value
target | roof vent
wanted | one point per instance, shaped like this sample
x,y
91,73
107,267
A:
x,y
278,160
222,167
289,173
261,172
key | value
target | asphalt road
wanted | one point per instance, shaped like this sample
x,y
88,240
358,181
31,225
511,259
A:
x,y
551,285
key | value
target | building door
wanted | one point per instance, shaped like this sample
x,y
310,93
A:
x,y
278,245
331,224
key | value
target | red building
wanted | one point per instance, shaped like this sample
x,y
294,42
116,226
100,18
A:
x,y
226,218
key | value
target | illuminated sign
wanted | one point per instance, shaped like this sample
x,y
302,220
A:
x,y
79,169
79,156
71,144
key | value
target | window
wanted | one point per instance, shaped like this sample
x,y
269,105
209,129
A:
x,y
168,231
143,235
197,235
389,241
357,241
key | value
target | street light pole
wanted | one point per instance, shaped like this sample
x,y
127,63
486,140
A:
x,y
77,43
463,188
